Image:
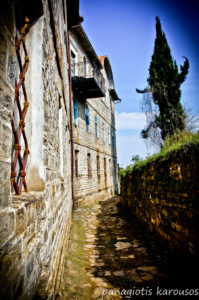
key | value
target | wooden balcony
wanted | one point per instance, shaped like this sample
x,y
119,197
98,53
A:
x,y
87,82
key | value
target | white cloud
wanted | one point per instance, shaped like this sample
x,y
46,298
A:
x,y
130,120
127,146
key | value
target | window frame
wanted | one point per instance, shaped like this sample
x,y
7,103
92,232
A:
x,y
96,127
75,111
109,136
113,138
89,166
87,118
98,169
103,132
73,63
84,66
76,163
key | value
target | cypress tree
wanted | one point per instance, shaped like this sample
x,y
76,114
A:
x,y
164,85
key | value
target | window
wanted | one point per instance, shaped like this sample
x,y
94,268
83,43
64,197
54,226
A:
x,y
113,138
114,168
109,137
105,173
98,169
103,134
84,67
112,119
76,163
96,127
89,165
72,63
87,118
75,111
110,168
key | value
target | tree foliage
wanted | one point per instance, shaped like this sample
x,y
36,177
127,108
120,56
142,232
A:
x,y
164,90
136,158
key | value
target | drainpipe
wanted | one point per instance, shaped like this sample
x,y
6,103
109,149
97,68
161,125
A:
x,y
71,115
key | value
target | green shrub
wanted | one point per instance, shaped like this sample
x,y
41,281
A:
x,y
177,143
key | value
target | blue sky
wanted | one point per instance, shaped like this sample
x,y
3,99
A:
x,y
125,32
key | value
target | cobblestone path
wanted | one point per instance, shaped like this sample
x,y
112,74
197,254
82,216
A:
x,y
112,257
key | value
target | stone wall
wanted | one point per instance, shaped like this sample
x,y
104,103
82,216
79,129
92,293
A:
x,y
7,82
164,194
90,188
34,225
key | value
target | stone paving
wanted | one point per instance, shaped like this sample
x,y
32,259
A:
x,y
111,257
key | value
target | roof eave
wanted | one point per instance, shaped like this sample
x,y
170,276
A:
x,y
73,17
82,38
114,95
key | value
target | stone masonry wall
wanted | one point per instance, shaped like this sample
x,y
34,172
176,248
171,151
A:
x,y
164,194
87,188
7,82
34,225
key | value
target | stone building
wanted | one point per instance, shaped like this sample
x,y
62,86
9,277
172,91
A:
x,y
94,135
48,161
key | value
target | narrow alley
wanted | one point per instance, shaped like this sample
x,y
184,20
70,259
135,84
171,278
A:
x,y
111,256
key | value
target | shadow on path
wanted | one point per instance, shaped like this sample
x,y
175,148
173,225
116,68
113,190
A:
x,y
112,256
135,259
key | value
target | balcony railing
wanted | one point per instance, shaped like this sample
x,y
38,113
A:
x,y
87,81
